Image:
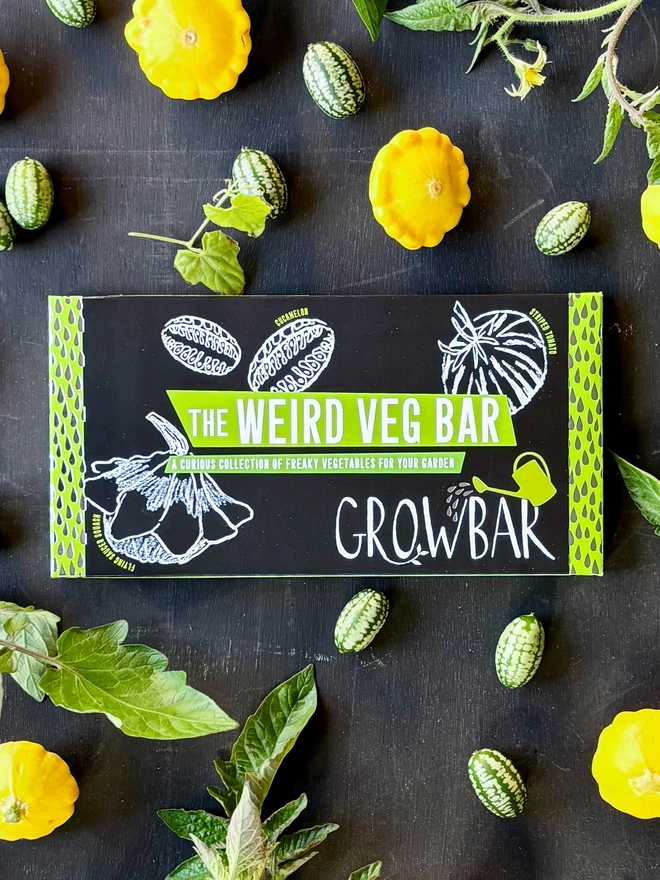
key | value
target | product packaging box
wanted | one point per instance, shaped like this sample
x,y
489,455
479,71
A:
x,y
199,436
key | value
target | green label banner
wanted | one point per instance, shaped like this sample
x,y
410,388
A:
x,y
304,465
245,419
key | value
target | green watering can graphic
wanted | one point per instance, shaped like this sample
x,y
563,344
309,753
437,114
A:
x,y
533,479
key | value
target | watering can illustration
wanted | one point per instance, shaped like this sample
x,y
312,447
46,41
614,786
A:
x,y
532,477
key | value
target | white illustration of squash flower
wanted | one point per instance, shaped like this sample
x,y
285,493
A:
x,y
153,517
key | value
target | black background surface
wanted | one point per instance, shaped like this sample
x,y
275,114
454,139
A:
x,y
386,345
385,755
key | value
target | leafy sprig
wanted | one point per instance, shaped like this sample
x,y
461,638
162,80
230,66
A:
x,y
644,489
242,846
215,264
93,671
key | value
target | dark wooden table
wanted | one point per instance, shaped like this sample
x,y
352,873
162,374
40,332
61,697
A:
x,y
385,755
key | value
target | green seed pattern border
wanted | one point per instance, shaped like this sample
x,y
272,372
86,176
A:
x,y
66,436
585,433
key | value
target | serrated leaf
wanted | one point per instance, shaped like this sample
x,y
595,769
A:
x,y
643,488
652,129
8,660
216,266
478,45
593,80
248,213
282,818
654,173
369,872
228,799
184,823
434,15
292,846
288,868
191,869
213,859
40,635
130,685
371,12
615,114
270,734
246,849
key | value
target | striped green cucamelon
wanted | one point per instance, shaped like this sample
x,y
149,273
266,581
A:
x,y
7,229
29,193
333,80
563,228
497,783
75,13
256,173
519,651
361,621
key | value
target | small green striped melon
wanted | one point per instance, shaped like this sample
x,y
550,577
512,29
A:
x,y
29,193
256,173
75,13
519,651
497,783
563,228
361,621
7,229
333,80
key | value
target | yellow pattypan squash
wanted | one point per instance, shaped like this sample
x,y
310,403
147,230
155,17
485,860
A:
x,y
626,765
37,791
651,213
191,48
418,187
4,81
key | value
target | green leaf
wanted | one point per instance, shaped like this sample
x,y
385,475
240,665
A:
x,y
130,685
652,129
228,799
192,869
643,488
434,15
209,828
2,694
593,80
282,818
8,660
371,12
478,44
39,634
233,780
216,266
270,734
288,868
248,213
246,849
615,114
292,846
654,173
213,858
369,872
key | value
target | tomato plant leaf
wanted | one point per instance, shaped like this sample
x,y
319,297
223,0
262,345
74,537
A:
x,y
654,173
209,828
129,684
282,818
287,868
270,734
8,660
216,266
371,12
248,213
615,114
37,632
213,859
292,846
652,129
369,872
246,850
191,869
643,488
434,15
593,80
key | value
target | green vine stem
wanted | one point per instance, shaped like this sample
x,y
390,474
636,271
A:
x,y
610,55
218,199
556,16
42,658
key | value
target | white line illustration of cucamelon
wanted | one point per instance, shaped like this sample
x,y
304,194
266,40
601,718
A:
x,y
201,345
499,352
154,517
292,359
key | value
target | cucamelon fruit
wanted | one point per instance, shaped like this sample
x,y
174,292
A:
x,y
361,621
29,193
563,228
519,651
75,13
256,173
7,229
333,80
497,783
